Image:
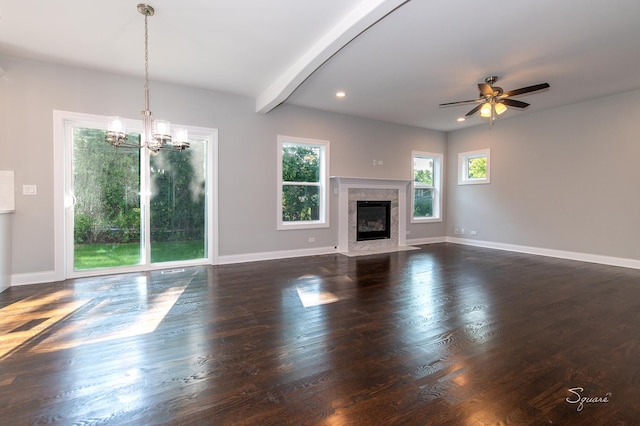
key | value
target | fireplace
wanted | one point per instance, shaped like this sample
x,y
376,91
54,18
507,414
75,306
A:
x,y
374,220
350,190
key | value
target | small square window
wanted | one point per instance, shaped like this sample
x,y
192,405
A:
x,y
474,167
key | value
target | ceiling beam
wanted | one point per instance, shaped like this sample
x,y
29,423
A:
x,y
359,20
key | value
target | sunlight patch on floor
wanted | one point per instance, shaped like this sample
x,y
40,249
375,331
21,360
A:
x,y
98,328
38,321
42,312
314,297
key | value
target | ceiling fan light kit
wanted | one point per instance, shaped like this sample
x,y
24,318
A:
x,y
493,101
485,110
500,108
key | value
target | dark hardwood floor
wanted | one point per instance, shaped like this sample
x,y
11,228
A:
x,y
447,334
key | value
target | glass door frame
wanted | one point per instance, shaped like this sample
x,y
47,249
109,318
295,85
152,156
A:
x,y
63,122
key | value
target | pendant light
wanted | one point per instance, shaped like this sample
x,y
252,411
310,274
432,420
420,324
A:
x,y
156,134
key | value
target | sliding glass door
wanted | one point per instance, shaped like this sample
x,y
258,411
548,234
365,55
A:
x,y
131,210
178,204
106,217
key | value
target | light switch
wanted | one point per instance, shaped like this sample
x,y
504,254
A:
x,y
29,190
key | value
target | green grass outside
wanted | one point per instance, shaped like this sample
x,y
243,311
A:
x,y
107,255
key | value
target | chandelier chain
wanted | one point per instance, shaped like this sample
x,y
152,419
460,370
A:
x,y
146,62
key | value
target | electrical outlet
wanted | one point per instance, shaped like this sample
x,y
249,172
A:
x,y
474,233
312,239
456,231
380,162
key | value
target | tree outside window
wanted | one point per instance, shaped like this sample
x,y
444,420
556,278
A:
x,y
474,167
427,186
477,168
303,182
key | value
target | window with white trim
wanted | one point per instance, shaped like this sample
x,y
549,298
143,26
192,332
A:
x,y
426,197
303,182
474,167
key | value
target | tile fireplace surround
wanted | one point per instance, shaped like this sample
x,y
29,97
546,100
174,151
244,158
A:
x,y
350,190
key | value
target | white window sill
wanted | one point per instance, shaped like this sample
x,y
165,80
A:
x,y
426,219
474,182
302,225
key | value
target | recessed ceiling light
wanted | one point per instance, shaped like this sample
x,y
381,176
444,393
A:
x,y
461,119
341,94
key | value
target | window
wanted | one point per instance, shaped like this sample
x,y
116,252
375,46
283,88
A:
x,y
303,180
473,167
427,187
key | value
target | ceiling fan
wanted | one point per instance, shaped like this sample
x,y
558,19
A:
x,y
494,101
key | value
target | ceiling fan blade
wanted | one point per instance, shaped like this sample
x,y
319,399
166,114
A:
x,y
471,101
485,89
514,103
473,111
527,89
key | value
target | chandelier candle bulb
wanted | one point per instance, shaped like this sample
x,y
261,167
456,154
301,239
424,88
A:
x,y
181,135
116,125
116,134
162,128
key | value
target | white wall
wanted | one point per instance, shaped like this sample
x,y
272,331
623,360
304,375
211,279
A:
x,y
563,179
247,152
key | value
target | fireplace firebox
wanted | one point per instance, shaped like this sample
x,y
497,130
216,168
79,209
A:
x,y
373,220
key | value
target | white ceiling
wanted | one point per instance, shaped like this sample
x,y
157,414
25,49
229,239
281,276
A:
x,y
396,59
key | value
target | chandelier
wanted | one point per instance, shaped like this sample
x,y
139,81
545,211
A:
x,y
156,134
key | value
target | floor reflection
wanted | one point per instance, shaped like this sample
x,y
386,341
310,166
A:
x,y
311,292
36,323
23,320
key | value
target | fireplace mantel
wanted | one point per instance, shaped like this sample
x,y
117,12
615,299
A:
x,y
345,183
348,180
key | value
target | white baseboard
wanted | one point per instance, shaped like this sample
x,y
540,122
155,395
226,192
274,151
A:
x,y
273,255
32,278
49,276
422,241
561,254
